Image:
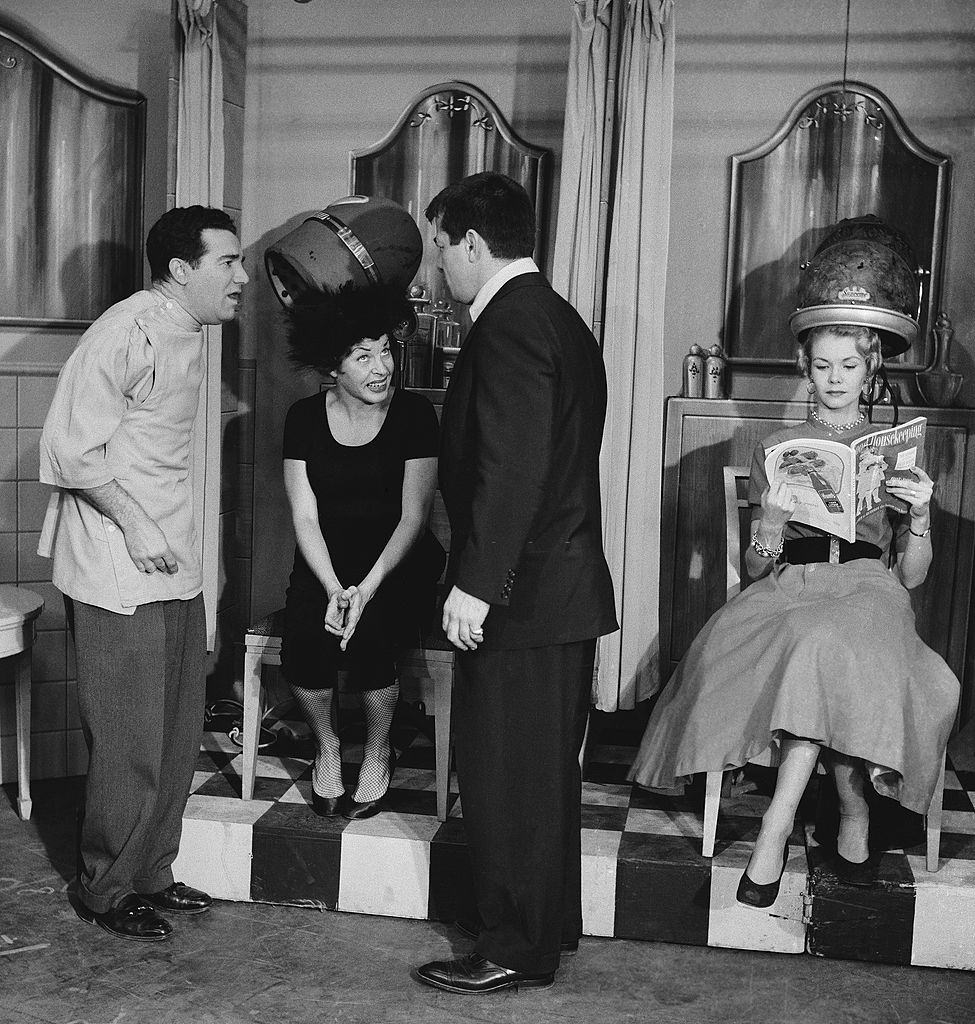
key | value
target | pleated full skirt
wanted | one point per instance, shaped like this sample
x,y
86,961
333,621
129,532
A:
x,y
825,652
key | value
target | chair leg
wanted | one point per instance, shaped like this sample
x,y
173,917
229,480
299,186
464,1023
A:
x,y
22,675
712,800
253,713
933,822
442,688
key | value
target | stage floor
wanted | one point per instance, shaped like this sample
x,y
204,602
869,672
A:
x,y
643,873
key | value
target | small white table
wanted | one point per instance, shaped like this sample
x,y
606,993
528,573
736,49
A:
x,y
19,609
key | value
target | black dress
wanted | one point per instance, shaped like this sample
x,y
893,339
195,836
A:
x,y
359,490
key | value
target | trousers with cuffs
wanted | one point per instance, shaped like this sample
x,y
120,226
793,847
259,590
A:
x,y
141,693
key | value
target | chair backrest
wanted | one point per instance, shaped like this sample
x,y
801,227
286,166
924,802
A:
x,y
735,499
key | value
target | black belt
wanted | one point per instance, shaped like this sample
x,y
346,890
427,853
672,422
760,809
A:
x,y
803,550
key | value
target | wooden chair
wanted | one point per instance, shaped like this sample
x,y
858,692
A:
x,y
734,478
733,505
433,662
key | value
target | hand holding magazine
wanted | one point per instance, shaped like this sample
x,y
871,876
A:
x,y
838,483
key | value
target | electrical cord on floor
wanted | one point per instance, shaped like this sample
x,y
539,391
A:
x,y
272,726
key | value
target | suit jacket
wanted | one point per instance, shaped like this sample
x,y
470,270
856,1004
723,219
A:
x,y
521,431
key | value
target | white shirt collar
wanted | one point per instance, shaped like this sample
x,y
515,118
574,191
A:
x,y
491,287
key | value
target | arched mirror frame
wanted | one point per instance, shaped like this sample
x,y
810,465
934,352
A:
x,y
94,256
931,262
470,114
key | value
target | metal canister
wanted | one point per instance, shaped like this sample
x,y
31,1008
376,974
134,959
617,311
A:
x,y
714,367
694,372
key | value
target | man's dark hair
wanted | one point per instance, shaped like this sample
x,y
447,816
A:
x,y
179,234
493,205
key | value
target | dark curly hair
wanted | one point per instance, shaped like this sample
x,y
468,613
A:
x,y
323,326
495,206
179,233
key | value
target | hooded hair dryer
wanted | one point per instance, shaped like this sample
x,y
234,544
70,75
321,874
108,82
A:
x,y
362,240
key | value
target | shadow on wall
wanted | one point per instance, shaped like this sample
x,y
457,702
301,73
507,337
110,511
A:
x,y
278,386
96,275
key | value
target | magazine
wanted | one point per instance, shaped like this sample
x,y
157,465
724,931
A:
x,y
839,483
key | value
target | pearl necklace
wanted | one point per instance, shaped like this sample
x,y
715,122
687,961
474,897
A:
x,y
837,428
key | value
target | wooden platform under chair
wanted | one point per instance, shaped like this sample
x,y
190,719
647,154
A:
x,y
643,873
429,667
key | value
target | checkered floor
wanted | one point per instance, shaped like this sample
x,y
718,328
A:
x,y
643,874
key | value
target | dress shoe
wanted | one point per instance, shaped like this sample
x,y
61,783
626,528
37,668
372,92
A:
x,y
179,899
752,894
472,974
862,875
356,810
326,806
131,918
567,947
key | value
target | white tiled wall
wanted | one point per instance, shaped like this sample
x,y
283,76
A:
x,y
57,743
57,746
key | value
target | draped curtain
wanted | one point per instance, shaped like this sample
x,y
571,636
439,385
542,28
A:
x,y
199,180
615,202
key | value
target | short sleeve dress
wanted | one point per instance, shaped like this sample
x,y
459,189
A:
x,y
824,652
359,494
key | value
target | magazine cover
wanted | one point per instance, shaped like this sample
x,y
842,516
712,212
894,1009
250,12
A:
x,y
837,484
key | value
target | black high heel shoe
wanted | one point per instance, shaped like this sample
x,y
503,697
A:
x,y
356,810
327,806
861,875
752,894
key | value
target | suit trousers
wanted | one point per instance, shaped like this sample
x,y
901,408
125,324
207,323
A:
x,y
141,692
519,722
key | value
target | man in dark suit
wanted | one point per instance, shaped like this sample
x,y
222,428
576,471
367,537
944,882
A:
x,y
530,590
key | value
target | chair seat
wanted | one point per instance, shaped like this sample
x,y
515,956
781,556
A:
x,y
270,626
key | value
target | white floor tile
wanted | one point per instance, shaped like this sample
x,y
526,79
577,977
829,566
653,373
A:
x,y
778,929
944,926
215,856
383,875
599,851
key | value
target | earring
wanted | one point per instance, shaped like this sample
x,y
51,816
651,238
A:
x,y
867,388
810,387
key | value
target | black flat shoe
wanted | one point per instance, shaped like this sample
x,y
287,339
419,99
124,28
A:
x,y
861,875
179,899
130,918
327,806
357,810
472,975
751,894
567,947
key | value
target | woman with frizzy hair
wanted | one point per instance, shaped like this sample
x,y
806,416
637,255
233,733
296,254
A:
x,y
360,471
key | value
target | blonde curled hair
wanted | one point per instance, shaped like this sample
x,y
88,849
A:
x,y
866,340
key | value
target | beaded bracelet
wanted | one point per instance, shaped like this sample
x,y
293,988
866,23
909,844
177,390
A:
x,y
761,549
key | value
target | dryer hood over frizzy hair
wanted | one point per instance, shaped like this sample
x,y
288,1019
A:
x,y
362,240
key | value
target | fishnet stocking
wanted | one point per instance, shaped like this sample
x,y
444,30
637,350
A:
x,y
378,707
318,707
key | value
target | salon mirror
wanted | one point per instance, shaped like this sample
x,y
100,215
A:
x,y
71,173
842,151
446,132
